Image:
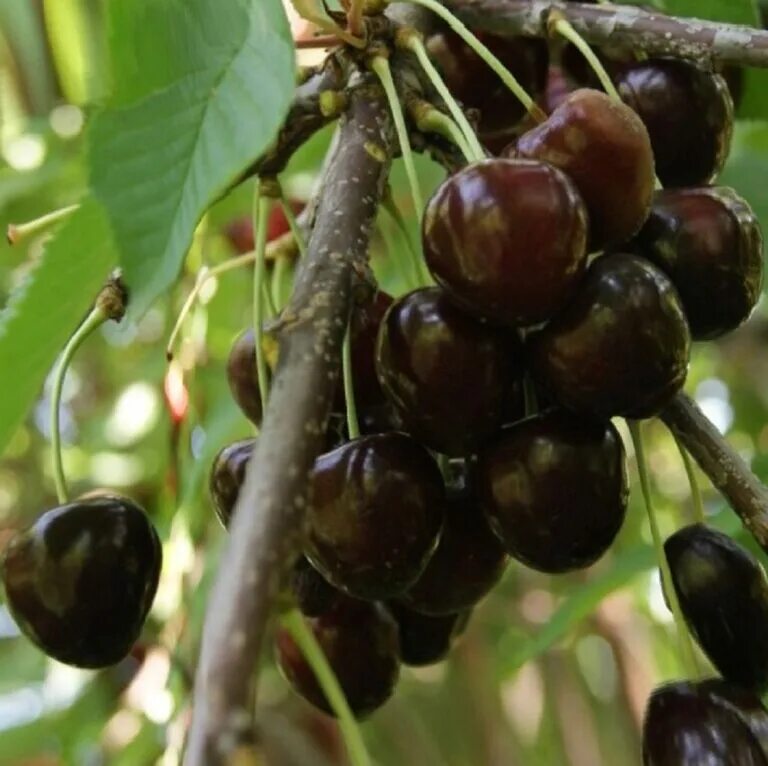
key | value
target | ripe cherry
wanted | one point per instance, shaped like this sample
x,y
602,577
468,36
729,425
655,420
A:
x,y
605,150
376,513
426,639
360,642
239,231
689,116
685,726
507,239
449,377
242,377
468,561
228,475
723,594
709,242
314,595
80,581
554,489
620,347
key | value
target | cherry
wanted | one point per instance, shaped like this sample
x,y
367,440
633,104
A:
x,y
448,376
723,594
426,639
228,475
360,642
605,150
477,86
554,489
507,239
314,595
468,561
689,116
239,231
242,377
686,726
375,515
710,244
80,581
620,347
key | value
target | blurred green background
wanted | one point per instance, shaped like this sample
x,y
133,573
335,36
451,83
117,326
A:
x,y
553,670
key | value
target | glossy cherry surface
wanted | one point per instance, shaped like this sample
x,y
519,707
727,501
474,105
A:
x,y
467,563
376,514
621,347
554,489
242,377
723,594
228,475
709,242
605,150
689,116
81,580
687,727
507,239
314,595
449,376
360,641
426,639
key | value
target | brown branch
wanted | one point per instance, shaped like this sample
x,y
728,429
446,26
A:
x,y
722,464
265,529
622,27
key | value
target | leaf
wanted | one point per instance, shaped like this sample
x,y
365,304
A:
x,y
45,309
731,11
159,161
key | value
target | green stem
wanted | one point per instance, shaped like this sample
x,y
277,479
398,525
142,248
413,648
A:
x,y
486,55
95,319
16,232
326,678
353,424
260,217
432,120
421,275
415,44
693,482
686,647
293,224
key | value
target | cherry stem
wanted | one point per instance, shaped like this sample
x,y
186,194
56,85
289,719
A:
x,y
563,27
686,647
432,120
261,206
95,319
420,273
353,424
486,55
326,678
16,232
293,225
415,43
355,17
693,482
320,41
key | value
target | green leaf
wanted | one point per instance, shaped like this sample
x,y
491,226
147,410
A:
x,y
209,111
45,309
731,11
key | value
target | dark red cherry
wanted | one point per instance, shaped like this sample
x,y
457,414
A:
x,y
710,244
477,86
605,150
80,581
449,376
468,561
689,116
360,642
554,489
239,231
426,639
228,475
376,512
687,727
723,594
621,347
314,595
507,239
242,377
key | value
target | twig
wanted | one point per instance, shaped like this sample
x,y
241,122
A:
x,y
268,516
721,463
622,27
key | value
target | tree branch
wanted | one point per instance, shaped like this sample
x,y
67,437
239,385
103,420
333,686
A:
x,y
265,529
722,464
622,27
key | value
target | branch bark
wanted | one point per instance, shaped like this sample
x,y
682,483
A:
x,y
622,27
267,522
721,463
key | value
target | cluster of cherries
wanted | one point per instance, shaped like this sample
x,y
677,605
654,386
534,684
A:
x,y
569,291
